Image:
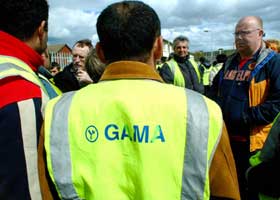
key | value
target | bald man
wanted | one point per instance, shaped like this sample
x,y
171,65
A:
x,y
249,93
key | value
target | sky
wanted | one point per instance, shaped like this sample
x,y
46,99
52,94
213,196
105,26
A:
x,y
209,24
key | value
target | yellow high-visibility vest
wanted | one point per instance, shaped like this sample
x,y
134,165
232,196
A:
x,y
206,75
11,66
178,75
104,143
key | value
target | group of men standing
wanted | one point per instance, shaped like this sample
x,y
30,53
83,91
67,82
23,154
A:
x,y
247,90
157,141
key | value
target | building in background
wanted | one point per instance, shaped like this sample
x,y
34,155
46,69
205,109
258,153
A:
x,y
211,56
167,48
60,53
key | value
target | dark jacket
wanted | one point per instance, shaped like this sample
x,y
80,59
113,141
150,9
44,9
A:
x,y
188,71
265,177
66,80
42,70
250,104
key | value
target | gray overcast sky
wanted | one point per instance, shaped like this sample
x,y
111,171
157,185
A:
x,y
71,20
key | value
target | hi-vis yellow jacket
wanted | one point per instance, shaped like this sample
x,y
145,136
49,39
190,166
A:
x,y
178,75
15,67
12,66
115,140
25,122
206,75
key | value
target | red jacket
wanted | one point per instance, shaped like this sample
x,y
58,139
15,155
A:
x,y
20,122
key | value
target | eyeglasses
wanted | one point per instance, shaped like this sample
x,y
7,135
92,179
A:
x,y
244,33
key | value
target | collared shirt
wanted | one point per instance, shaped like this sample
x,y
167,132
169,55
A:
x,y
123,69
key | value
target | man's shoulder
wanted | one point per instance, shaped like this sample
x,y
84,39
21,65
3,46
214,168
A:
x,y
67,72
15,88
273,62
276,58
66,80
169,62
43,71
165,66
68,68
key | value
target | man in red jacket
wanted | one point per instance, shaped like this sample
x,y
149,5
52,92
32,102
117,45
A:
x,y
23,37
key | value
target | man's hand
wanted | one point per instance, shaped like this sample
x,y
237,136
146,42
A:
x,y
83,77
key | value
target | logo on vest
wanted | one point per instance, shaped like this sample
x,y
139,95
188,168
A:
x,y
134,133
91,134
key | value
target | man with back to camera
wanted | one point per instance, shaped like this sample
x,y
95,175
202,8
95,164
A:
x,y
181,70
124,133
23,38
205,68
249,93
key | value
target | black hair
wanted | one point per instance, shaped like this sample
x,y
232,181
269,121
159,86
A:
x,y
55,64
221,58
202,59
21,18
127,31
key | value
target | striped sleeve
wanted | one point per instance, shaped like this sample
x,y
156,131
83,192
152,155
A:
x,y
20,123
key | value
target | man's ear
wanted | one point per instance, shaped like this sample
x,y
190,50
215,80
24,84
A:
x,y
38,40
262,34
99,52
158,48
42,30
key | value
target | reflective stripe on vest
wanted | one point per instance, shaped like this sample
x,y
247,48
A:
x,y
116,159
10,66
197,183
10,69
60,160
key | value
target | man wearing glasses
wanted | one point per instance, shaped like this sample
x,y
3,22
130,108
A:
x,y
249,94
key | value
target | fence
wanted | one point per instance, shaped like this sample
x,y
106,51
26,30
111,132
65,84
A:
x,y
63,59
